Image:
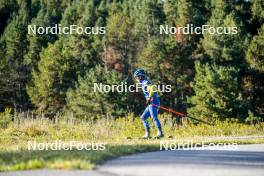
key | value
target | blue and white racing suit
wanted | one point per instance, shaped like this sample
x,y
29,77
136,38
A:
x,y
151,94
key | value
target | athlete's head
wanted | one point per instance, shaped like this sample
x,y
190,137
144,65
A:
x,y
139,74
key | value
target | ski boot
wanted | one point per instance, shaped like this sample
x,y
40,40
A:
x,y
160,133
147,134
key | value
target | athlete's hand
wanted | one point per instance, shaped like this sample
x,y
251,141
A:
x,y
149,101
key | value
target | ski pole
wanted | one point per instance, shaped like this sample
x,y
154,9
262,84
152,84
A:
x,y
169,110
180,114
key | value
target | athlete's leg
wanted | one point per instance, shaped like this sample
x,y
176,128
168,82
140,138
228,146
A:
x,y
144,118
153,110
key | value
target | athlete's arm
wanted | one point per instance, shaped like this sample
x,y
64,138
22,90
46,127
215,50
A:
x,y
151,89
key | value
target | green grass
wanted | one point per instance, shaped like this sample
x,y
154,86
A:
x,y
75,159
14,154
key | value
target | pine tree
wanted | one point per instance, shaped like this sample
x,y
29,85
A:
x,y
216,93
148,15
49,82
48,15
86,101
258,11
224,48
62,62
217,83
7,8
79,48
14,73
255,53
119,45
254,84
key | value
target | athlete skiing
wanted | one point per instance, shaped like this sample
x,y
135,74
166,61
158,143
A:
x,y
153,102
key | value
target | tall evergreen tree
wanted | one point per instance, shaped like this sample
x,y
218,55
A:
x,y
62,62
255,85
50,83
258,11
225,60
148,15
7,8
48,15
216,95
119,44
79,48
224,48
14,72
255,53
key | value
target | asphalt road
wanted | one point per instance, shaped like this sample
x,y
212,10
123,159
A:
x,y
246,160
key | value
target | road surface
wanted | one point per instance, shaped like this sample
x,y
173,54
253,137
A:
x,y
246,160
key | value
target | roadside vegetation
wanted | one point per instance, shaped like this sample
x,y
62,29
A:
x,y
120,135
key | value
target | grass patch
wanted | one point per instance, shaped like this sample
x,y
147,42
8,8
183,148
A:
x,y
75,159
14,154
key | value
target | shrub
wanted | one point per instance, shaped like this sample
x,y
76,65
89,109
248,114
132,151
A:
x,y
5,118
252,119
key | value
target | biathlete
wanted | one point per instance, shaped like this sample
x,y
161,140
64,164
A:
x,y
151,96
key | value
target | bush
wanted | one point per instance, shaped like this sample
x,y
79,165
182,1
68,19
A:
x,y
5,118
252,119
